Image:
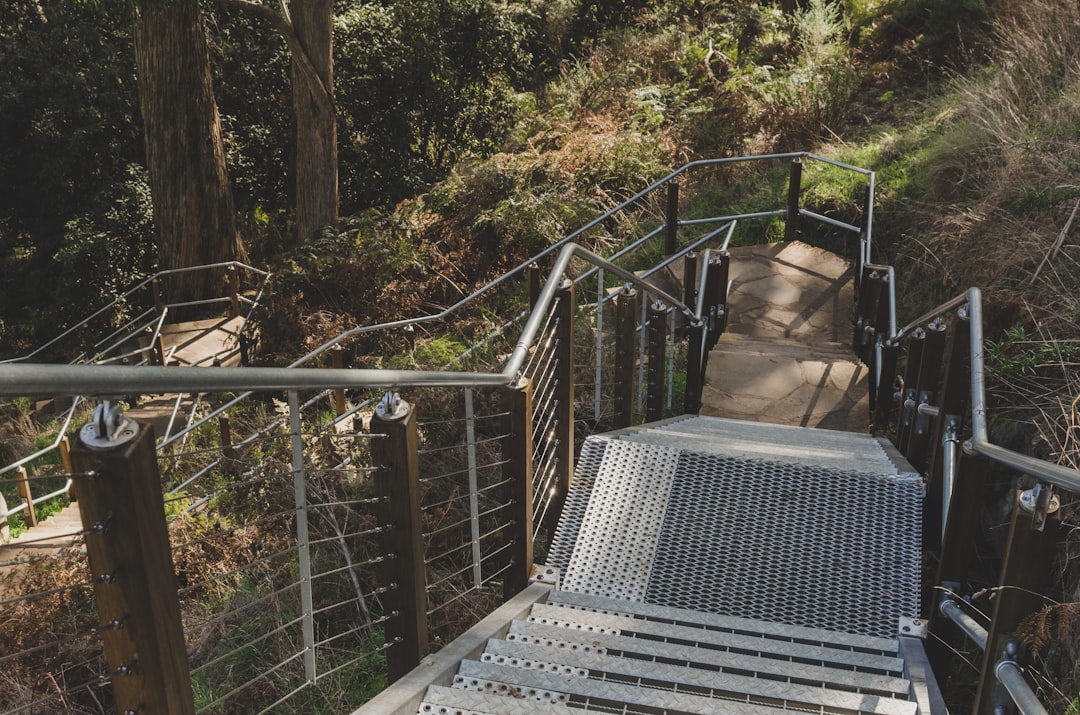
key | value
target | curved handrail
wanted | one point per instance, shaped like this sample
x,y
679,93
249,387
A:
x,y
103,380
1059,475
569,238
129,292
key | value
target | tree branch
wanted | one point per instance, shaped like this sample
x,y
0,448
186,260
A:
x,y
285,28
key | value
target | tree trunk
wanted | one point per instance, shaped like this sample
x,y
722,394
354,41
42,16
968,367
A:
x,y
316,123
189,183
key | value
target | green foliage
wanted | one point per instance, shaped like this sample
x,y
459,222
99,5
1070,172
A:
x,y
421,84
1018,354
812,94
69,136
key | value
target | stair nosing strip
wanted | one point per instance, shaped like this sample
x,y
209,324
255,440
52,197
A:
x,y
713,620
442,696
758,644
884,687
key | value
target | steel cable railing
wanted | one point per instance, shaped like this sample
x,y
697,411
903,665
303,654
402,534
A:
x,y
310,457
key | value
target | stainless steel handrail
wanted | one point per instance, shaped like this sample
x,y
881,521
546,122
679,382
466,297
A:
x,y
129,292
27,379
558,245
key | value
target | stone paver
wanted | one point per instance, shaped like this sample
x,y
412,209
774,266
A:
x,y
785,358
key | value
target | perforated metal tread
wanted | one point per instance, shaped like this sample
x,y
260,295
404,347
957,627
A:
x,y
585,469
638,693
441,700
621,527
600,624
732,656
684,677
716,622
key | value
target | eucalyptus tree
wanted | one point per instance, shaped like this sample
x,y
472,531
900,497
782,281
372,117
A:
x,y
193,205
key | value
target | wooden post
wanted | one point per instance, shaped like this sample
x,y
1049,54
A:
x,y
906,419
690,280
564,396
158,351
532,274
337,359
234,290
953,404
517,451
626,312
926,392
127,545
1025,575
694,369
159,301
397,481
671,228
228,451
716,280
65,456
863,340
5,530
791,226
958,553
23,484
654,391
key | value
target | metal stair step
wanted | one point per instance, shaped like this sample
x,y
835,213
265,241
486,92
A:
x,y
712,621
637,693
682,676
441,700
768,432
739,660
862,460
602,623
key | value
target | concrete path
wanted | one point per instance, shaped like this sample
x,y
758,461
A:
x,y
786,357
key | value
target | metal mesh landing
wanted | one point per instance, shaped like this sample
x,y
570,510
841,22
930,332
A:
x,y
806,546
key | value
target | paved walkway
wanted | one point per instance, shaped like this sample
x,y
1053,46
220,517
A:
x,y
786,357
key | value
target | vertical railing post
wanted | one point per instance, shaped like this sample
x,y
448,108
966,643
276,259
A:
x,y
517,451
65,456
234,290
869,293
886,356
564,395
906,419
159,300
532,275
671,227
626,312
926,393
716,280
791,225
24,491
1025,575
397,482
953,405
958,553
694,371
654,400
127,546
690,285
474,488
303,541
337,360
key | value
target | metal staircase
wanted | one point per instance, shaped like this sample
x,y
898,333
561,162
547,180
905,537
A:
x,y
715,565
